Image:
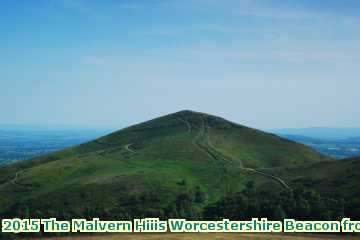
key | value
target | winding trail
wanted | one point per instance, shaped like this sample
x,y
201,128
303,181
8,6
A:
x,y
127,148
16,177
203,142
187,124
200,143
241,166
13,181
211,145
276,178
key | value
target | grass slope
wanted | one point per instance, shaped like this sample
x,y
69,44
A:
x,y
338,178
148,166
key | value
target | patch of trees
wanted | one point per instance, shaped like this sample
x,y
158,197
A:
x,y
301,203
187,203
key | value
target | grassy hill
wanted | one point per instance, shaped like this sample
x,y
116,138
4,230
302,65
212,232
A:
x,y
151,169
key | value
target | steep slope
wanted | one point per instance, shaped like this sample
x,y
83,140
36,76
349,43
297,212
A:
x,y
153,168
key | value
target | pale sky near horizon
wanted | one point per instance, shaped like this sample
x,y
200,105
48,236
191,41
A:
x,y
261,63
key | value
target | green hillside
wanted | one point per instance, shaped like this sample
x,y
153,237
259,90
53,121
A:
x,y
327,190
338,178
151,169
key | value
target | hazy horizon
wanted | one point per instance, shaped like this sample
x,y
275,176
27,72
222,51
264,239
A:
x,y
57,126
264,64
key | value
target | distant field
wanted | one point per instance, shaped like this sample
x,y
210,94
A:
x,y
22,142
336,148
207,236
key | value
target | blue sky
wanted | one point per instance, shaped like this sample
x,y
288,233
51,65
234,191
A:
x,y
266,64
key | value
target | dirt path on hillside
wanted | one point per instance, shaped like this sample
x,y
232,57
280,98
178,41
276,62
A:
x,y
219,152
127,148
13,181
200,143
276,178
16,177
203,142
188,125
241,166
